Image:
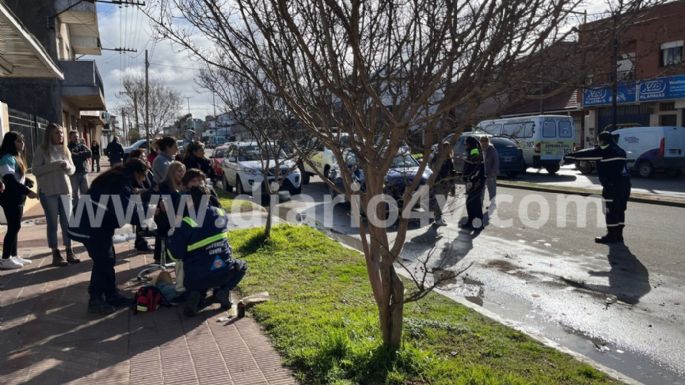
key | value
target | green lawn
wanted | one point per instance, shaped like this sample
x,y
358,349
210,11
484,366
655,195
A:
x,y
241,205
323,321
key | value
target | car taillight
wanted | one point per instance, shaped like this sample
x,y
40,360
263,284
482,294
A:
x,y
538,147
662,147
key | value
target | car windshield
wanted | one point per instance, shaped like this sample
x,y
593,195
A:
x,y
219,152
253,152
404,160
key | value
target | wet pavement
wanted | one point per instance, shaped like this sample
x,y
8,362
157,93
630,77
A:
x,y
621,306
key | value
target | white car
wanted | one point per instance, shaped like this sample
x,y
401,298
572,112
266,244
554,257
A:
x,y
242,168
322,159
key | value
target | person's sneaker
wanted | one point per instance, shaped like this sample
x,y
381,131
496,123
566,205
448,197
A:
x,y
192,305
9,264
144,248
223,296
21,260
119,300
100,307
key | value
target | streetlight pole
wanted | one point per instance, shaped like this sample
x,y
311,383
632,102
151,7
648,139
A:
x,y
614,76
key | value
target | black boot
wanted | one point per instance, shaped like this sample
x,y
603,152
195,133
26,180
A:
x,y
619,233
611,236
71,258
118,300
193,304
57,259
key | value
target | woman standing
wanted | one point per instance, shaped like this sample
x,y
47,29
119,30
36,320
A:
x,y
52,166
169,191
119,181
95,149
13,171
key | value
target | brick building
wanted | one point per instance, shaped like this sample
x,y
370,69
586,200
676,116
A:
x,y
650,68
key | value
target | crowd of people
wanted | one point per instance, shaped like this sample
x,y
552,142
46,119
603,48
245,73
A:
x,y
61,167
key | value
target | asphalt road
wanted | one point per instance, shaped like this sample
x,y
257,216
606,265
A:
x,y
623,306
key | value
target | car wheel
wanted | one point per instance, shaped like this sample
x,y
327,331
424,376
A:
x,y
584,167
239,187
552,169
645,169
295,191
305,178
326,171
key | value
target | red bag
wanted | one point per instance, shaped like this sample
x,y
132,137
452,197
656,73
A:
x,y
148,298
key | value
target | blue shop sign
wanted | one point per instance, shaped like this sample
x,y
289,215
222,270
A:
x,y
625,93
672,87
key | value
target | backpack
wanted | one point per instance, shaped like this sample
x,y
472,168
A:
x,y
148,298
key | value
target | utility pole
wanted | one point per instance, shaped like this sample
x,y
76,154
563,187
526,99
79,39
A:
x,y
614,75
147,102
214,103
135,108
188,99
123,125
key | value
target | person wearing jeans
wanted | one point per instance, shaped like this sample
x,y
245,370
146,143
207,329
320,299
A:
x,y
52,166
79,157
13,171
491,165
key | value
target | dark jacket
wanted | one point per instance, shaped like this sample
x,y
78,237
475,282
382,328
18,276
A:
x,y
446,173
115,152
611,163
204,248
202,164
85,230
79,156
473,171
15,191
96,151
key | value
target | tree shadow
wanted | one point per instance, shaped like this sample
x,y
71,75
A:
x,y
253,244
628,277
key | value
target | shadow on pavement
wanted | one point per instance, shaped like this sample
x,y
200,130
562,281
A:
x,y
628,277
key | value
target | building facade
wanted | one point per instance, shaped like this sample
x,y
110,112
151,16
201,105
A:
x,y
66,29
649,68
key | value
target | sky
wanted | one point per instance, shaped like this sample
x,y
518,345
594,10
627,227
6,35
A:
x,y
126,27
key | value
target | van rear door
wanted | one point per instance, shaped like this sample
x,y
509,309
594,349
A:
x,y
674,142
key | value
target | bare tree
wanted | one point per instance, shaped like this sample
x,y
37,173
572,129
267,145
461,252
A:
x,y
164,103
272,127
382,71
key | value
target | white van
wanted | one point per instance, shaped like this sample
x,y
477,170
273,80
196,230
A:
x,y
544,139
650,149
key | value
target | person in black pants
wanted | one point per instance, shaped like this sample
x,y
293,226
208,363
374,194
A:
x,y
17,188
95,149
118,182
474,176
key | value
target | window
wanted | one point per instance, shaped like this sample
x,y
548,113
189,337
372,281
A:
x,y
518,129
667,106
493,129
549,129
668,120
565,129
671,53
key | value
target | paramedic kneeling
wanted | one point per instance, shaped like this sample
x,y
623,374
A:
x,y
201,242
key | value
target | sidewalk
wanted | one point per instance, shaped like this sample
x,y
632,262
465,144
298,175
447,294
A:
x,y
49,338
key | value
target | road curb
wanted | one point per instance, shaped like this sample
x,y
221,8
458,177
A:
x,y
354,243
634,196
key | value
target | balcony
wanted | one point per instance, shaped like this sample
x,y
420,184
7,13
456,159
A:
x,y
82,20
82,85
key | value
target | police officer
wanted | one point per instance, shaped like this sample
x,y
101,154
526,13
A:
x,y
473,174
615,179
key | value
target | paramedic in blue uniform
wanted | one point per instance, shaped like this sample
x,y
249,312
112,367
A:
x,y
615,179
202,245
116,183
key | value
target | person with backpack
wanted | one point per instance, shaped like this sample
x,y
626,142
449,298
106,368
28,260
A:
x,y
202,244
115,152
116,183
13,171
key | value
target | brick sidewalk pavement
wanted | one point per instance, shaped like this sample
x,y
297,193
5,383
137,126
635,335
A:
x,y
48,338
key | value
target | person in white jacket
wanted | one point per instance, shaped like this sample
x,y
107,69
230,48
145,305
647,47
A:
x,y
52,166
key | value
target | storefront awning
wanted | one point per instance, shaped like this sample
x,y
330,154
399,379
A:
x,y
21,55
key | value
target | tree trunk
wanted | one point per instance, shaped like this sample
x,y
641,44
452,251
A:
x,y
267,227
392,308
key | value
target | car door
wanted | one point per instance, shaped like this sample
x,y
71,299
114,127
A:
x,y
231,164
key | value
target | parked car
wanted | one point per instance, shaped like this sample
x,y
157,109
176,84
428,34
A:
x,y
511,161
402,172
242,167
322,159
141,143
217,160
648,150
544,139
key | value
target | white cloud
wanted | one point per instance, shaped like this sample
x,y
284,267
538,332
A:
x,y
127,27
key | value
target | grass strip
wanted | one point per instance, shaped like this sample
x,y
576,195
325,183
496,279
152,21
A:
x,y
323,321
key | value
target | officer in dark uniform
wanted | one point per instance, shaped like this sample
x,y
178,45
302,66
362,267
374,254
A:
x,y
615,179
